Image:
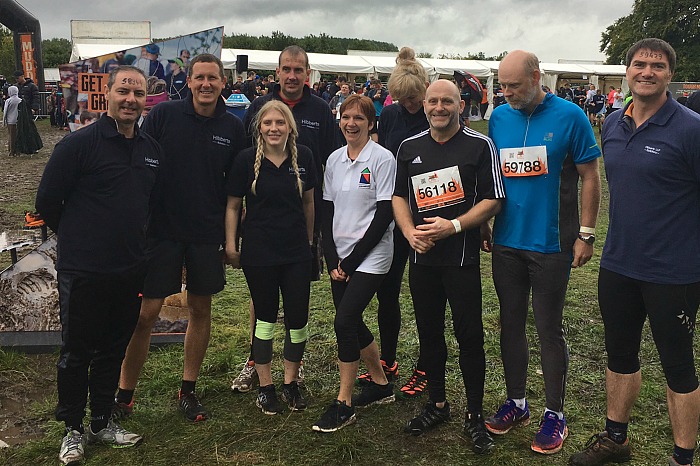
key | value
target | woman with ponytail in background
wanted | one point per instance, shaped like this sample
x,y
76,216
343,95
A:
x,y
277,179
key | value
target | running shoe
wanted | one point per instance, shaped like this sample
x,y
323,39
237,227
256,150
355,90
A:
x,y
293,397
337,416
475,428
32,220
267,400
601,449
507,417
415,386
428,418
189,404
121,411
392,373
72,448
374,394
246,379
113,435
550,438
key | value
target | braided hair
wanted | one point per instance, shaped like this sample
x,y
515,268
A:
x,y
291,144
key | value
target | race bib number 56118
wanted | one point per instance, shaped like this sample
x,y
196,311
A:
x,y
438,188
524,161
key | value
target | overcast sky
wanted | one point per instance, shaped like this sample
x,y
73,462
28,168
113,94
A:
x,y
554,30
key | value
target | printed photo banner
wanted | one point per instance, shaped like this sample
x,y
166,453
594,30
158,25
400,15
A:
x,y
164,62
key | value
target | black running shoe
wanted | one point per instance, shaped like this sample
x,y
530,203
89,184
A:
x,y
337,416
267,400
475,428
374,394
293,397
189,404
428,418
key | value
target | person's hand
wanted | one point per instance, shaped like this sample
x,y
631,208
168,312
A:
x,y
339,275
582,253
436,228
419,241
233,257
486,237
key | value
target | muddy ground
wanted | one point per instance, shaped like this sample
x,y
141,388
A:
x,y
21,390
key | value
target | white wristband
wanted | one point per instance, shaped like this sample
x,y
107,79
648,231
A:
x,y
457,225
587,230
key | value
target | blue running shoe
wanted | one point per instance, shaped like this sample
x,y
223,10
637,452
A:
x,y
507,417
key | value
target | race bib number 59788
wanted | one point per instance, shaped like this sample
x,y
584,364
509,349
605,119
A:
x,y
524,161
438,188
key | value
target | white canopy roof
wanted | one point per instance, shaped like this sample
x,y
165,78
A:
x,y
385,65
84,51
448,67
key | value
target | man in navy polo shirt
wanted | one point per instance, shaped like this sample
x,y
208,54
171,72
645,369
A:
x,y
651,259
201,140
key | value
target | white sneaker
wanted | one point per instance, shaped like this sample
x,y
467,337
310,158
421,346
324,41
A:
x,y
246,379
72,448
114,435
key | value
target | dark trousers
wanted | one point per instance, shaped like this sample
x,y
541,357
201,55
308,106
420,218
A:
x,y
98,316
389,311
431,289
516,273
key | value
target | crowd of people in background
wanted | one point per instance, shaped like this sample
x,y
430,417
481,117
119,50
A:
x,y
372,177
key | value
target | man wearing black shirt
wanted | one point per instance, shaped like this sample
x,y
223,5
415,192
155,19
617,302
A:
x,y
95,194
447,184
201,140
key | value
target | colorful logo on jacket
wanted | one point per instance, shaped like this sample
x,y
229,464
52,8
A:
x,y
365,178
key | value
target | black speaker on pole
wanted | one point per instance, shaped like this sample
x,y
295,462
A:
x,y
241,63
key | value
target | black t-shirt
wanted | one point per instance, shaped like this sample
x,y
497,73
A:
x,y
599,102
474,155
274,231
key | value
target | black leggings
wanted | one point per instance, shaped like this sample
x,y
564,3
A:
x,y
389,312
350,299
265,284
625,304
431,288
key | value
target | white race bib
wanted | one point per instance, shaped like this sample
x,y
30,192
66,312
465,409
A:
x,y
524,161
438,188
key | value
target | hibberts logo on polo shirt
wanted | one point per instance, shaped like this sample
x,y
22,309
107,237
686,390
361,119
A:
x,y
652,150
220,140
310,124
151,162
365,178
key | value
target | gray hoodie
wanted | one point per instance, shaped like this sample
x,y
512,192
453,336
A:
x,y
10,111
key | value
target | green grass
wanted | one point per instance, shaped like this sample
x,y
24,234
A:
x,y
239,434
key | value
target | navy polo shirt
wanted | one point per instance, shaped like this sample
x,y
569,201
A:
x,y
274,230
653,175
95,194
198,153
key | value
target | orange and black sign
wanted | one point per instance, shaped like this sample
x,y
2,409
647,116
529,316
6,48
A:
x,y
28,62
93,84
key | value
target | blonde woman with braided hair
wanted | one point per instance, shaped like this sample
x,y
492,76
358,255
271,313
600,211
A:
x,y
277,179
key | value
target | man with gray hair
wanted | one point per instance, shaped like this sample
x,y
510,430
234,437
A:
x,y
545,144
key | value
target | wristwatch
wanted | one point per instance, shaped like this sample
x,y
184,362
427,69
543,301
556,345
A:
x,y
588,239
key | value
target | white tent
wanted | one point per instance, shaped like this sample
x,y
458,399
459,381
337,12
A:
x,y
385,65
85,51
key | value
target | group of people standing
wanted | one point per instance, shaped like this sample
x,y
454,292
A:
x,y
265,194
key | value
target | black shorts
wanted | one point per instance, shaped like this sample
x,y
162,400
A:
x,y
205,270
625,304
